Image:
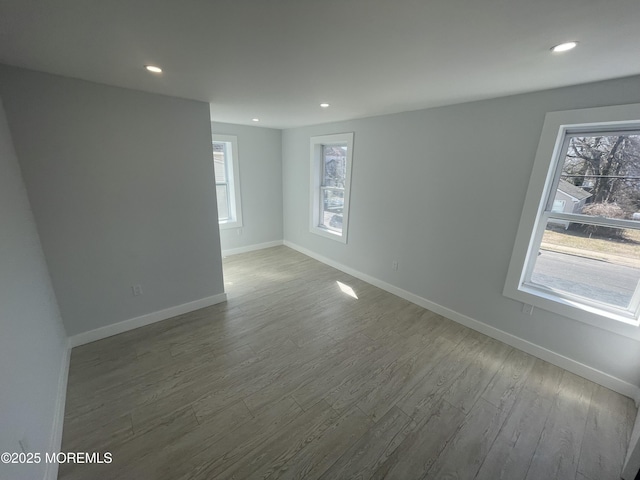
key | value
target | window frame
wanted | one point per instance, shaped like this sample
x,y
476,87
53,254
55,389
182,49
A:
x,y
557,129
317,188
232,169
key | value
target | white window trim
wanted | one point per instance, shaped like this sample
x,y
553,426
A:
x,y
235,198
316,166
556,124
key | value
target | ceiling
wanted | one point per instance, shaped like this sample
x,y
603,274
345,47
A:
x,y
277,60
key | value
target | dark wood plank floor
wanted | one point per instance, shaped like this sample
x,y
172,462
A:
x,y
293,377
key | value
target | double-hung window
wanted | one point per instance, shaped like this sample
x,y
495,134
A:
x,y
330,185
227,176
578,247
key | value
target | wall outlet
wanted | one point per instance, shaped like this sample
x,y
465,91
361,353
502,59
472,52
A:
x,y
528,309
394,265
136,290
239,231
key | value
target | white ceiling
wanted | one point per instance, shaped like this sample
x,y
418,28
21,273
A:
x,y
278,59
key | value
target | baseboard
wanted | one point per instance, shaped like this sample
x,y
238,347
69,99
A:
x,y
141,321
573,366
55,441
250,248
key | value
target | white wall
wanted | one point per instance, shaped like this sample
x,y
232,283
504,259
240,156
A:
x,y
260,162
33,353
441,191
120,185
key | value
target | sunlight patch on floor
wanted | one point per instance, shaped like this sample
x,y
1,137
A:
x,y
344,288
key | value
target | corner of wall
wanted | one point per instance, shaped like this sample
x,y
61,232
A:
x,y
55,442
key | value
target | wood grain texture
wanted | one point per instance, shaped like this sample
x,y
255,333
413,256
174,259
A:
x,y
325,449
463,456
468,386
293,379
379,401
609,425
504,388
285,444
559,446
512,451
422,444
372,449
435,384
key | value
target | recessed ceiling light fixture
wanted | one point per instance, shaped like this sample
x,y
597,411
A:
x,y
324,105
564,47
255,119
153,68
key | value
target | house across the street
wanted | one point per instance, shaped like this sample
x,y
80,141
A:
x,y
569,199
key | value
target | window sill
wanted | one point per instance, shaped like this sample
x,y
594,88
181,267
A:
x,y
603,319
325,232
229,225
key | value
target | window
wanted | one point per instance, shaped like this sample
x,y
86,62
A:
x,y
578,247
225,164
330,184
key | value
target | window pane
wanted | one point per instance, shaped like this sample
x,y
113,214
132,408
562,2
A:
x,y
558,206
334,162
219,154
332,206
596,263
601,176
223,202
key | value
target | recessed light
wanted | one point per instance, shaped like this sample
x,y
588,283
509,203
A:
x,y
563,47
153,68
255,119
324,105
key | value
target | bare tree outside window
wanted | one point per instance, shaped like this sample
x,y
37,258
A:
x,y
334,163
608,167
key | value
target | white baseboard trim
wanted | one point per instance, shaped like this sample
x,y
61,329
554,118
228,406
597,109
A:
x,y
251,248
55,441
573,366
141,321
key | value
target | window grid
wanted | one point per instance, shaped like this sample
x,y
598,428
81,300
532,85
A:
x,y
550,214
331,157
227,180
220,157
325,188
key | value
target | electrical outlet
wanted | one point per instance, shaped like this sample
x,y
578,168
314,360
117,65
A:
x,y
239,231
137,290
394,265
527,309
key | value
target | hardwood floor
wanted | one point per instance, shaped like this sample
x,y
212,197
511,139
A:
x,y
293,378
